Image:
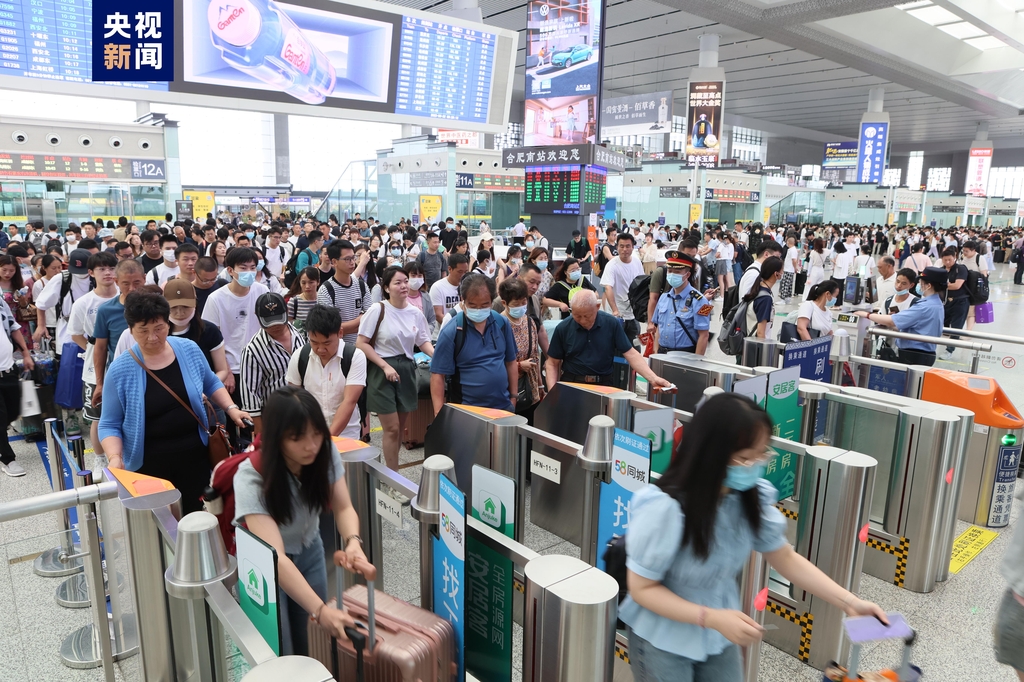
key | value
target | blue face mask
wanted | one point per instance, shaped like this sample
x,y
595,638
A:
x,y
477,315
246,279
574,276
396,252
517,312
543,265
674,279
830,302
917,289
528,245
742,477
250,234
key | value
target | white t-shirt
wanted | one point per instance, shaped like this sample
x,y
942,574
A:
x,y
863,261
161,273
885,287
819,319
519,230
235,316
327,384
51,313
401,331
82,322
47,299
747,280
444,294
842,263
792,254
125,342
274,261
725,251
619,276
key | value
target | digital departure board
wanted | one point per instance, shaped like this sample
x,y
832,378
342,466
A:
x,y
51,40
77,166
555,190
444,71
595,186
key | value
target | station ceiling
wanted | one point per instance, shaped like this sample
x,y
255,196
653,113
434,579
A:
x,y
803,68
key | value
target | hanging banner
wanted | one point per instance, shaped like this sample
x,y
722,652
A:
x,y
657,426
755,388
430,208
257,585
631,470
704,105
872,147
978,164
450,563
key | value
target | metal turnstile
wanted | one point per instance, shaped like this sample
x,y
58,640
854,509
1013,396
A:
x,y
835,499
917,445
692,374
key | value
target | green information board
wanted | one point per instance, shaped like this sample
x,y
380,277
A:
x,y
257,585
783,402
488,613
780,471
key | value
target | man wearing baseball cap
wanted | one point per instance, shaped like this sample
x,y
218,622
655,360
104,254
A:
x,y
73,284
265,358
682,315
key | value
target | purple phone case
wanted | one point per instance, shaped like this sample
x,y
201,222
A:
x,y
869,629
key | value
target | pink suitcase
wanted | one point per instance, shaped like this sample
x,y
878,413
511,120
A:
x,y
410,644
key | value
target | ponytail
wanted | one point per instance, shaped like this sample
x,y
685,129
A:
x,y
769,267
826,286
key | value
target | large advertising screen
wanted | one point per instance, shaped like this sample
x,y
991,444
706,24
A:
x,y
704,123
563,71
840,155
649,114
978,164
361,59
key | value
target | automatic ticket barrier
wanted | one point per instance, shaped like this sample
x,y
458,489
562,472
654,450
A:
x,y
692,374
993,455
920,448
835,499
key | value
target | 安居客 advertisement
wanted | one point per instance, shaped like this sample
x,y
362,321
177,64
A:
x,y
704,104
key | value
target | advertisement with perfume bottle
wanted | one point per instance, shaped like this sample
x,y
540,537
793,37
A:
x,y
648,114
704,105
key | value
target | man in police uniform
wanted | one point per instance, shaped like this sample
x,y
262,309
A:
x,y
683,314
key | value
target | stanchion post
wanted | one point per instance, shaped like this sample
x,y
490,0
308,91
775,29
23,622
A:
x,y
596,459
89,532
426,508
362,491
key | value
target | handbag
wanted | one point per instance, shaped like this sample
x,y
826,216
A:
x,y
524,394
29,399
68,391
788,333
218,445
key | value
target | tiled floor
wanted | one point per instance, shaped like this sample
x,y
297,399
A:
x,y
954,621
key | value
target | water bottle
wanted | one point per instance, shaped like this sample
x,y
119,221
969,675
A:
x,y
259,39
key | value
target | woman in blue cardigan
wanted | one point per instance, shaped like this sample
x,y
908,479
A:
x,y
143,427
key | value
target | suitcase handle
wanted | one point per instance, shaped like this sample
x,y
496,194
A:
x,y
369,571
358,640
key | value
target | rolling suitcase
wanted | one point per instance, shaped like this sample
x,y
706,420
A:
x,y
863,630
416,424
403,643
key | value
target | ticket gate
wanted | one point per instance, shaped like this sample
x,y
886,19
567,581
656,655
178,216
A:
x,y
920,448
993,456
692,374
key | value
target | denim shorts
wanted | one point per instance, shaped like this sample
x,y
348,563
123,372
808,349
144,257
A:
x,y
650,664
1009,632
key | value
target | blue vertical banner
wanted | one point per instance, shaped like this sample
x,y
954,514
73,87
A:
x,y
132,40
811,356
450,564
1003,486
631,470
872,148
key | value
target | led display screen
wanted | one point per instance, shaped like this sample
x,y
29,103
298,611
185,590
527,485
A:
x,y
565,189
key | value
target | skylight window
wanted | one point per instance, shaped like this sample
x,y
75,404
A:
x,y
934,15
962,30
986,43
912,5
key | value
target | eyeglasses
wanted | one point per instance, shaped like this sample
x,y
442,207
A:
x,y
348,259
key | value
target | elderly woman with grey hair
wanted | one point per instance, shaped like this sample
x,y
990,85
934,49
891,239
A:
x,y
583,347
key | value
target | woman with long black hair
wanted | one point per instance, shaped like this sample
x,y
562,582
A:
x,y
691,534
279,498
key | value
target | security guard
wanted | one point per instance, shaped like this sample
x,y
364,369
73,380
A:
x,y
683,314
924,317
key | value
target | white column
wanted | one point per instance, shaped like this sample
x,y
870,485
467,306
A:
x,y
708,58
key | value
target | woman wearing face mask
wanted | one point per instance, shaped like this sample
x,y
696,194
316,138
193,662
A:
x,y
15,294
691,533
181,296
418,294
302,297
46,320
924,317
568,280
264,276
513,294
389,333
761,308
814,312
513,261
540,257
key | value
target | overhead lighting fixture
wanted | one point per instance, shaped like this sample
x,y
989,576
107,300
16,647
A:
x,y
912,5
934,15
963,30
986,43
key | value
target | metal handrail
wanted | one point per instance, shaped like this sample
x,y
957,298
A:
x,y
988,336
885,364
560,444
941,341
65,499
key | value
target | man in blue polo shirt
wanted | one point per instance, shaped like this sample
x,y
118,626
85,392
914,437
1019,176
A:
x,y
477,350
584,346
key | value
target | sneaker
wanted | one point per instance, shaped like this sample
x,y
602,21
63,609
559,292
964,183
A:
x,y
14,470
947,355
72,427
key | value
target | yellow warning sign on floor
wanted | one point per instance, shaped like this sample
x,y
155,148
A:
x,y
969,545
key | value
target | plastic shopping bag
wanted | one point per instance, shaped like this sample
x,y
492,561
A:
x,y
29,399
68,391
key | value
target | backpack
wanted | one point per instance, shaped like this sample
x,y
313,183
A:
x,y
734,327
601,261
65,289
1016,255
290,273
219,496
977,287
640,293
730,299
743,257
329,285
453,390
346,359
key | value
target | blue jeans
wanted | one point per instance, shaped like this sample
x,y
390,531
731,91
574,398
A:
x,y
294,618
650,664
737,272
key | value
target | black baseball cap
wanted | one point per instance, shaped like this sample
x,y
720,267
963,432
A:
x,y
78,262
271,310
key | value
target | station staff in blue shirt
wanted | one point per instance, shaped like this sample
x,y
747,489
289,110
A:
x,y
477,349
682,315
924,317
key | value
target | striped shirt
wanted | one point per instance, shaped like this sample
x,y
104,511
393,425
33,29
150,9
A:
x,y
351,301
263,366
298,310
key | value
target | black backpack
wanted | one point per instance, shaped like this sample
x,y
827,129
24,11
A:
x,y
734,327
329,285
640,293
65,289
977,287
346,359
730,299
289,268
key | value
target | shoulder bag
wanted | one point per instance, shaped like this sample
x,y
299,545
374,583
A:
x,y
218,445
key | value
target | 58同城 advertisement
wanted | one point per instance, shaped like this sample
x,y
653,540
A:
x,y
704,123
563,71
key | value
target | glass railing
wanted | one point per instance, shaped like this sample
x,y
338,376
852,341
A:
x,y
800,208
355,191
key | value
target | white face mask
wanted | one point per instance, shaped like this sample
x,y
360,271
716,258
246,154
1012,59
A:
x,y
169,255
415,283
182,321
72,238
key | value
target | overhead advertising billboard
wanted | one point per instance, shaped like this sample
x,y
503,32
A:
x,y
649,114
978,164
871,154
704,104
563,71
358,59
840,155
